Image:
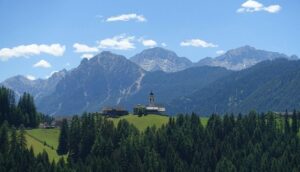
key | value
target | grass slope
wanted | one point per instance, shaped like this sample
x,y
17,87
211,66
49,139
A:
x,y
143,122
50,136
149,120
44,139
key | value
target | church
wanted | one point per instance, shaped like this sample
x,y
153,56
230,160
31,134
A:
x,y
151,108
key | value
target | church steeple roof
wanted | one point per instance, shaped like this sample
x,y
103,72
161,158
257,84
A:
x,y
151,93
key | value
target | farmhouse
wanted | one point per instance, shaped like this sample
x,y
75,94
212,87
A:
x,y
114,112
151,108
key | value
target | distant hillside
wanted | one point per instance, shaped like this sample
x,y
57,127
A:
x,y
169,86
270,85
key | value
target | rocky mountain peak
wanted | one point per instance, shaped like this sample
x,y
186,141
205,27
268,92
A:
x,y
241,58
158,52
241,50
160,59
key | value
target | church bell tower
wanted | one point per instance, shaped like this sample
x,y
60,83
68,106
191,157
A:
x,y
151,99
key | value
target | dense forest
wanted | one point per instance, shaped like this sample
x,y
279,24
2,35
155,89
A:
x,y
24,112
250,142
253,142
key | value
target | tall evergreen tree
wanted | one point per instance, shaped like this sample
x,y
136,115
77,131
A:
x,y
63,138
13,141
287,128
294,122
4,140
74,138
88,135
22,139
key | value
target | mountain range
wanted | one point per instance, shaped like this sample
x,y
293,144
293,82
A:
x,y
239,80
157,58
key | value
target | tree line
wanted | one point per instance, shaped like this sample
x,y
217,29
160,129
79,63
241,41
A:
x,y
24,112
253,142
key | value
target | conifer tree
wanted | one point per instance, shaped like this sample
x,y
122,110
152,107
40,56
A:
x,y
13,141
21,138
225,165
286,123
63,138
4,140
294,122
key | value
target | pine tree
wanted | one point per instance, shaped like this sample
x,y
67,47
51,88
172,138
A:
x,y
4,140
13,141
88,135
286,123
22,139
63,138
74,138
225,165
294,122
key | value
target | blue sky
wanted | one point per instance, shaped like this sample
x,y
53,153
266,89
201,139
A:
x,y
40,37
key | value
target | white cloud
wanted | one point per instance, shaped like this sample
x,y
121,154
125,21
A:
x,y
120,42
251,6
163,44
32,49
30,77
42,64
82,48
87,56
197,43
149,43
220,52
127,17
273,8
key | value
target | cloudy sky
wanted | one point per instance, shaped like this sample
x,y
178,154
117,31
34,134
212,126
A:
x,y
38,38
